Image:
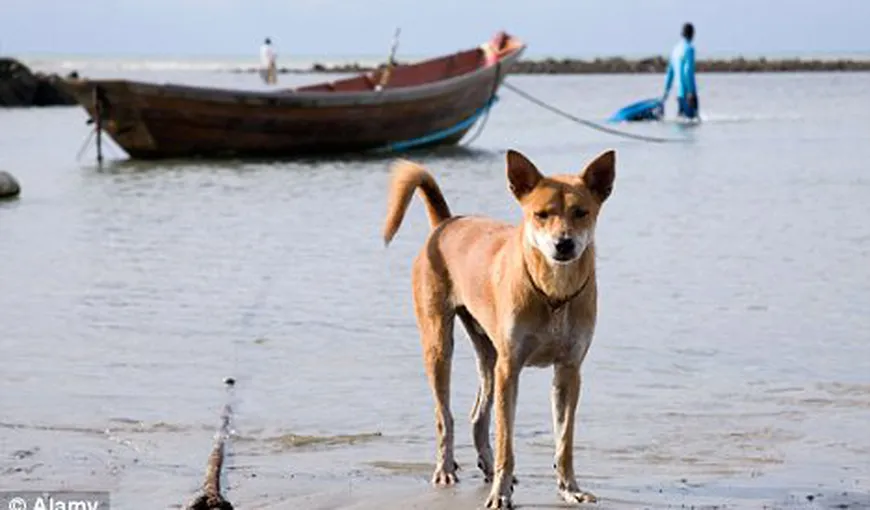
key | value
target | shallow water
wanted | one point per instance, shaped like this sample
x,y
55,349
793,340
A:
x,y
731,365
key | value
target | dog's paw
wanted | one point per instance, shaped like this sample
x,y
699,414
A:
x,y
499,502
444,477
501,493
577,496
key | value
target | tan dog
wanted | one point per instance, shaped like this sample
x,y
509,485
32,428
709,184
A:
x,y
526,295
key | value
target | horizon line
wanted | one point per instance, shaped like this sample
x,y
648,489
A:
x,y
838,54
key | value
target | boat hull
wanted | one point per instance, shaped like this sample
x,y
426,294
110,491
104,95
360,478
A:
x,y
153,121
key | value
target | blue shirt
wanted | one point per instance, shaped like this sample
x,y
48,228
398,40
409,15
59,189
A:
x,y
681,70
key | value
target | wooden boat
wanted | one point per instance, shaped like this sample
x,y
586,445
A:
x,y
432,102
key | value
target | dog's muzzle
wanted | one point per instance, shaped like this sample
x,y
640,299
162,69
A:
x,y
566,249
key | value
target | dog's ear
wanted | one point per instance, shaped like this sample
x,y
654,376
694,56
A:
x,y
599,174
522,174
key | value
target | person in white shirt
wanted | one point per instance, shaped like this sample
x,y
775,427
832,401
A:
x,y
268,70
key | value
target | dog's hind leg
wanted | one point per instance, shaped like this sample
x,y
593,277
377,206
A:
x,y
436,330
481,413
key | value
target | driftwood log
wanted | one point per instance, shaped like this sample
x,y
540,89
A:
x,y
211,497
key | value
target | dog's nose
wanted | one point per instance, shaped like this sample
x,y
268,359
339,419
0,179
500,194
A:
x,y
565,246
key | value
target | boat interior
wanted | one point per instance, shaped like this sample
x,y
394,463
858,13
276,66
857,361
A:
x,y
408,75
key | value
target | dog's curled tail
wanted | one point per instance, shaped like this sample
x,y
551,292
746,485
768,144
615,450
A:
x,y
407,177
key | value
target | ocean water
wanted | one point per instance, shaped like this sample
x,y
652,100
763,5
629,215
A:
x,y
730,367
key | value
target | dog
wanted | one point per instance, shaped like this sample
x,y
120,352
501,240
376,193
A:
x,y
525,294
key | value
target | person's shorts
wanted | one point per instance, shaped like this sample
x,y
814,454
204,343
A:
x,y
685,109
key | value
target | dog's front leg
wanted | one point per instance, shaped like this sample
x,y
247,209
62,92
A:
x,y
566,394
507,372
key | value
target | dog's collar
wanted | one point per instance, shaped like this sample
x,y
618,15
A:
x,y
559,303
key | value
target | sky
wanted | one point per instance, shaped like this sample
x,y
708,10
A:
x,y
365,27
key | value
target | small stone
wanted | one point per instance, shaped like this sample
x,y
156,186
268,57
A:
x,y
9,187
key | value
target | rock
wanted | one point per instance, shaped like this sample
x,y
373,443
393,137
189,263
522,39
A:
x,y
9,187
20,87
51,93
17,83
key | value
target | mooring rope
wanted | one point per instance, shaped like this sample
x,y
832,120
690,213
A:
x,y
480,127
584,122
492,99
212,497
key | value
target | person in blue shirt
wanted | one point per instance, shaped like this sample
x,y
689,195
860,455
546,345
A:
x,y
681,72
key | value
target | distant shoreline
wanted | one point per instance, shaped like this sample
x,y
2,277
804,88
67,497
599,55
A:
x,y
19,86
620,65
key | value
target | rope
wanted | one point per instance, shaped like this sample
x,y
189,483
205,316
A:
x,y
479,131
211,497
587,123
247,330
492,97
226,431
220,459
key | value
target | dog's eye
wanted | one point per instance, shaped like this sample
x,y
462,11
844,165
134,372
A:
x,y
541,215
579,213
